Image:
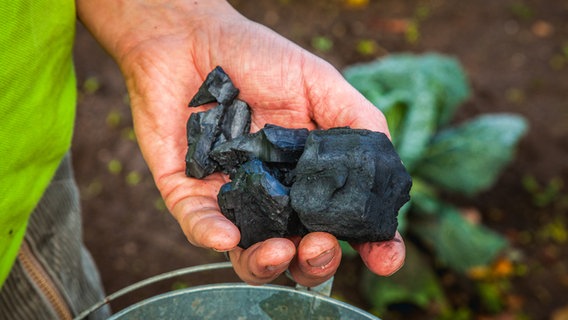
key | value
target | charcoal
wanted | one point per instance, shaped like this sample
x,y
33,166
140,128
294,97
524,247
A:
x,y
272,144
284,182
217,87
350,183
286,145
257,203
207,129
236,120
202,132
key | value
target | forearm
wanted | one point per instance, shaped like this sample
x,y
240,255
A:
x,y
120,26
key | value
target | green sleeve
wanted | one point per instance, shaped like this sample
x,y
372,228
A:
x,y
37,109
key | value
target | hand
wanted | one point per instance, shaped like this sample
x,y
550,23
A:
x,y
165,50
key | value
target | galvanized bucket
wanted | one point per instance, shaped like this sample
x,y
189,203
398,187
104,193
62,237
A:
x,y
234,301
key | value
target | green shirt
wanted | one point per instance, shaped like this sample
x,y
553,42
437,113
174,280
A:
x,y
37,109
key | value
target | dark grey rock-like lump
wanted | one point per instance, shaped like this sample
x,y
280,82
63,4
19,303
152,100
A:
x,y
225,122
350,183
257,203
272,144
217,87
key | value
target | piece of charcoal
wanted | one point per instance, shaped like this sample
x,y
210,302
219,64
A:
x,y
202,132
258,204
217,87
350,183
209,128
272,144
236,121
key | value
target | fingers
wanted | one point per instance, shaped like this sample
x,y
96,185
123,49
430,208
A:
x,y
383,258
207,228
264,261
311,260
318,258
194,204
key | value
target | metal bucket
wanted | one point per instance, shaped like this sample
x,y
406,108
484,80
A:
x,y
234,301
241,301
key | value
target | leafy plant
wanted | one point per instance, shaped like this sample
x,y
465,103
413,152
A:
x,y
419,95
321,43
543,195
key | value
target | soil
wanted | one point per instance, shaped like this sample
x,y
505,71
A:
x,y
515,53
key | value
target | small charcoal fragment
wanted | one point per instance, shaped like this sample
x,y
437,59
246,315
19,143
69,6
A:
x,y
202,132
257,203
272,144
207,129
217,87
236,120
286,145
350,183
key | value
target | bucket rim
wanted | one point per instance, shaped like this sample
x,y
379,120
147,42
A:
x,y
239,286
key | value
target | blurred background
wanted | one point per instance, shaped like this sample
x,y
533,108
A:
x,y
514,56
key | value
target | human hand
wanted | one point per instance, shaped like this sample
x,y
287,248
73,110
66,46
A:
x,y
165,50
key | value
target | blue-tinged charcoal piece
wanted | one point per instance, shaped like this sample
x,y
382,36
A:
x,y
236,121
217,87
350,183
272,145
286,144
202,132
258,204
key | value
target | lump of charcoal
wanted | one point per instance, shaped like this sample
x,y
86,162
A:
x,y
350,183
207,129
236,120
257,203
216,87
202,132
272,144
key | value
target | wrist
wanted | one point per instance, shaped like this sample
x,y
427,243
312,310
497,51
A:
x,y
123,26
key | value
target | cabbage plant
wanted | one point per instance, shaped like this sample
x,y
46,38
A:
x,y
419,95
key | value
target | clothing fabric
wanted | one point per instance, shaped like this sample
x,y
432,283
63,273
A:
x,y
54,238
37,109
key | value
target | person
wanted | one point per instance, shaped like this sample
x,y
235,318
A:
x,y
164,50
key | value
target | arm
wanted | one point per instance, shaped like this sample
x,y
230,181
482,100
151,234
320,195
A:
x,y
165,49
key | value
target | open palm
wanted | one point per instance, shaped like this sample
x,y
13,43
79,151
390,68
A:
x,y
165,63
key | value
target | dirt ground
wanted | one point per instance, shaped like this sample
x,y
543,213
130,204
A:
x,y
516,55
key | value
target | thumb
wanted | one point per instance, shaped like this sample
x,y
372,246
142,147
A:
x,y
383,258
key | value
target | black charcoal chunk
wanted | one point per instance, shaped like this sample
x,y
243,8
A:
x,y
236,121
217,87
257,203
350,183
272,144
202,132
206,130
286,144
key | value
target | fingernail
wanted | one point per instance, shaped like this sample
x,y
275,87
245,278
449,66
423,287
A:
x,y
283,265
323,259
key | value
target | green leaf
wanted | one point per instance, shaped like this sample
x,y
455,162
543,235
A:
x,y
491,296
469,158
322,43
402,217
416,93
414,283
457,243
347,250
424,198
